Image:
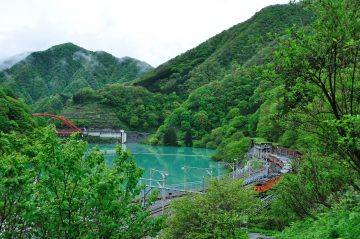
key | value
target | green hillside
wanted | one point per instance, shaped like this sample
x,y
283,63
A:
x,y
213,59
66,68
120,106
14,114
93,115
216,62
304,94
230,97
49,79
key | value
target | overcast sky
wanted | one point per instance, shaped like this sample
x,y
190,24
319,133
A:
x,y
150,30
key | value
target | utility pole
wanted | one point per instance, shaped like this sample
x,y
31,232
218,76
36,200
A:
x,y
151,173
218,169
203,184
234,168
184,168
163,193
161,184
144,195
188,168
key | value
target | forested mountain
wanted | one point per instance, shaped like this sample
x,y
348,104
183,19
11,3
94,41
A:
x,y
66,68
228,96
216,62
214,58
48,80
305,95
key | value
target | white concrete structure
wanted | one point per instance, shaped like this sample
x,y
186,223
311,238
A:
x,y
108,133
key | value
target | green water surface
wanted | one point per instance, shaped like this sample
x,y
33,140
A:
x,y
169,159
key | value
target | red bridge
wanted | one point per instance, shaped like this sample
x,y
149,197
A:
x,y
62,132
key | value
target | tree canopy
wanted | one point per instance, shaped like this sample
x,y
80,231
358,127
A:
x,y
55,189
220,213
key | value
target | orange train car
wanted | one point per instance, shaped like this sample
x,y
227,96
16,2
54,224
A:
x,y
267,185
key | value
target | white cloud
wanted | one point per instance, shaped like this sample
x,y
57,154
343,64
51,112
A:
x,y
150,30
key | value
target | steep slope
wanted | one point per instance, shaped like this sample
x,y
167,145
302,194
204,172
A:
x,y
14,114
213,59
66,68
226,97
6,63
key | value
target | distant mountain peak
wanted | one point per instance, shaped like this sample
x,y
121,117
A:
x,y
69,45
67,68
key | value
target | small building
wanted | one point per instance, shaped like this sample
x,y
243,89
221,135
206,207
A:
x,y
261,149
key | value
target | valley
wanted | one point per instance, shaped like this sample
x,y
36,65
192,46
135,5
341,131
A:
x,y
256,130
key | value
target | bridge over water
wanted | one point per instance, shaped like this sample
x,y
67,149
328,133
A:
x,y
120,134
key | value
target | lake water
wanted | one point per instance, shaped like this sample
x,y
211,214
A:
x,y
169,159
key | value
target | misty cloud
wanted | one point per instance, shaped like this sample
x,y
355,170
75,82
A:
x,y
8,62
87,59
150,30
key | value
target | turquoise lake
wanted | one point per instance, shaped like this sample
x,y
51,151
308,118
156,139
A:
x,y
169,159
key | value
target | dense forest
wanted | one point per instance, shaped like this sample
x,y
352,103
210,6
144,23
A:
x,y
289,75
238,100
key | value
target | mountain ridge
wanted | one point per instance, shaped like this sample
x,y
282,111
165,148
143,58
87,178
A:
x,y
195,75
65,69
211,59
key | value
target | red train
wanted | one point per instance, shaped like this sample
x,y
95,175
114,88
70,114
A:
x,y
280,159
266,185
